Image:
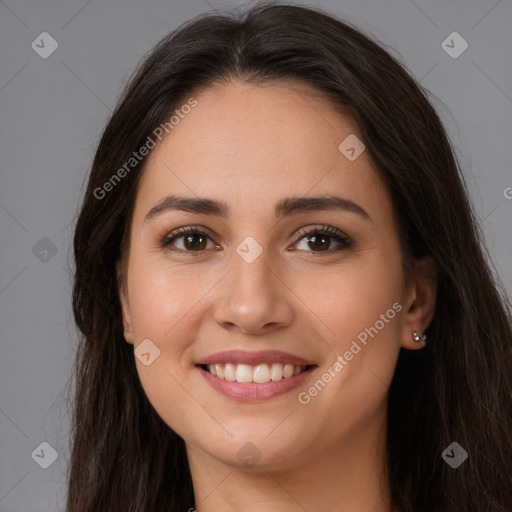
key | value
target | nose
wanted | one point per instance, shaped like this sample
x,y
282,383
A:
x,y
254,298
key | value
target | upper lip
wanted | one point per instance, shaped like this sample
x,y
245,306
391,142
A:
x,y
254,358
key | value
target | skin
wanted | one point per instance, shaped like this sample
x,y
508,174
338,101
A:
x,y
250,147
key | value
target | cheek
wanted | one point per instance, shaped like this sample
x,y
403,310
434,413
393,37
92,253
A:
x,y
360,317
351,297
163,304
362,324
161,293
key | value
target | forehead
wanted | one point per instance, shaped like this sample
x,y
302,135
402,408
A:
x,y
253,145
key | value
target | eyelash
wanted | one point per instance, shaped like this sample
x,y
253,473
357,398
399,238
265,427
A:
x,y
332,233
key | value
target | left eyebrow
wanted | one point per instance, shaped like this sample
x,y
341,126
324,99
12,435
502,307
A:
x,y
294,205
285,208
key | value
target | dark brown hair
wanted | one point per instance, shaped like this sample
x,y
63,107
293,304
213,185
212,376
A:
x,y
459,388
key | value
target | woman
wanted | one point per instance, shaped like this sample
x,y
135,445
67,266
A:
x,y
281,287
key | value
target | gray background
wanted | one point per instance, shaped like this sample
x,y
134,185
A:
x,y
52,112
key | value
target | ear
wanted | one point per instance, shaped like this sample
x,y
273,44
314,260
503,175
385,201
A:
x,y
125,303
419,306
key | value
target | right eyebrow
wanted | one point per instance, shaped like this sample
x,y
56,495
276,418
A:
x,y
198,205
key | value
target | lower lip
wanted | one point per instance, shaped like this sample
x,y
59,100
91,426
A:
x,y
252,391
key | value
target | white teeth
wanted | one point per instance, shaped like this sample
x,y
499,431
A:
x,y
229,371
276,372
287,371
243,373
260,373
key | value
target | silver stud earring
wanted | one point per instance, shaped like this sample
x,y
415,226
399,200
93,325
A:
x,y
419,337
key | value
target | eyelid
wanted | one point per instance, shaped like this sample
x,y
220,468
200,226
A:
x,y
328,230
184,230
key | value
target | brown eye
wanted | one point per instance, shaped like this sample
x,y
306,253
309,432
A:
x,y
321,240
187,240
193,242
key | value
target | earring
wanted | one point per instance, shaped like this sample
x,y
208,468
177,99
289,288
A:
x,y
419,337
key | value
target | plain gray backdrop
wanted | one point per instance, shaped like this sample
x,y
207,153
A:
x,y
53,110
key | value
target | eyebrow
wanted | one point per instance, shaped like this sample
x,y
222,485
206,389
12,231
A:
x,y
284,208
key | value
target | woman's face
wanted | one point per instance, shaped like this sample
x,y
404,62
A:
x,y
276,276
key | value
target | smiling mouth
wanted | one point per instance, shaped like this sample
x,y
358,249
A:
x,y
261,373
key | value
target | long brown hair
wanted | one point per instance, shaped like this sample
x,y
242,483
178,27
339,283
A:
x,y
459,388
